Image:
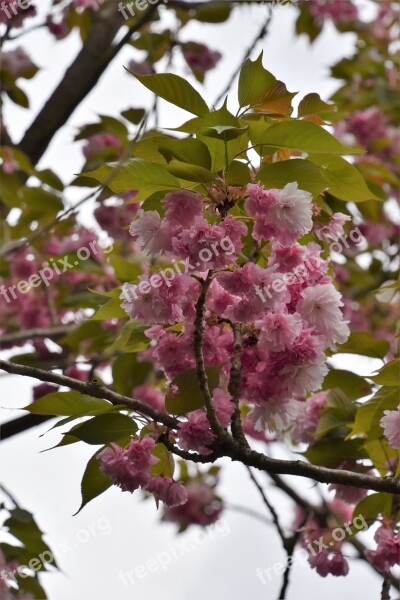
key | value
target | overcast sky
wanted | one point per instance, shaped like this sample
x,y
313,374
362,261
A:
x,y
117,532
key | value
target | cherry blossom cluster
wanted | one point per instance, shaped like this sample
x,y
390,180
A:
x,y
129,469
7,578
325,543
291,314
340,11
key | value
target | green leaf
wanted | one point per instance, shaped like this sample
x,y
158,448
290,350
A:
x,y
313,105
189,397
351,384
374,505
105,428
94,482
128,373
188,150
338,413
254,82
389,375
329,454
305,136
134,115
364,343
22,525
130,338
277,101
238,173
369,414
175,90
215,12
225,133
166,465
67,404
307,175
110,310
190,172
137,174
343,180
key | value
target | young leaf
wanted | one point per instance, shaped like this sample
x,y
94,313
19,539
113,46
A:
x,y
94,482
104,429
175,90
67,404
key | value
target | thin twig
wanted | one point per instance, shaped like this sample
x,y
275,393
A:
x,y
246,55
202,378
234,384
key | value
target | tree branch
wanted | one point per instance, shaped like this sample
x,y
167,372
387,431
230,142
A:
x,y
234,384
224,446
202,378
30,334
92,389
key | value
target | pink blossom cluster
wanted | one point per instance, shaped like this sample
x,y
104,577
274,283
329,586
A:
x,y
16,62
199,57
129,469
290,319
12,18
115,219
203,507
387,553
340,11
195,433
7,575
99,142
325,552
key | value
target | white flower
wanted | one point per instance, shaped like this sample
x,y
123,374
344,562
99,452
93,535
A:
x,y
391,425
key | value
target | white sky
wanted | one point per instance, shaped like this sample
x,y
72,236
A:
x,y
117,531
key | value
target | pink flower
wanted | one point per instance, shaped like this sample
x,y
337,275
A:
x,y
208,246
150,395
340,11
324,563
390,423
99,142
195,434
150,232
307,417
182,207
199,57
171,492
288,218
387,553
160,300
278,330
115,219
260,199
16,62
129,467
203,507
223,405
333,230
320,306
43,389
